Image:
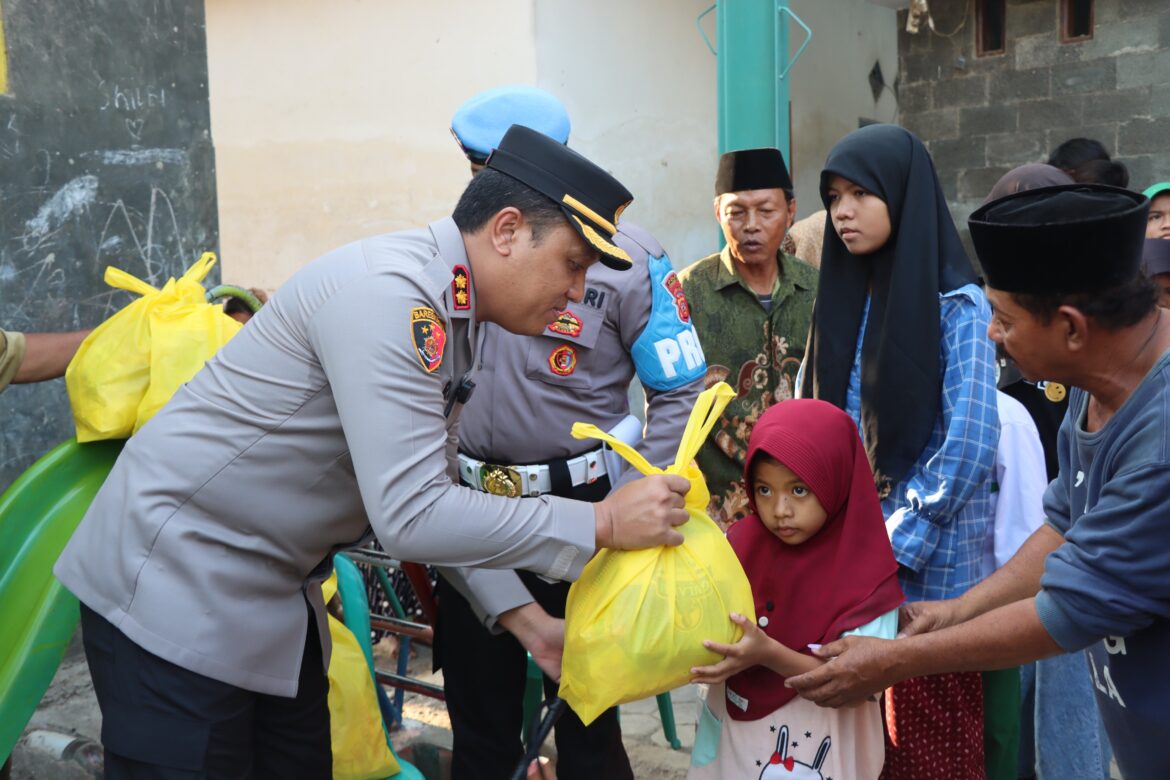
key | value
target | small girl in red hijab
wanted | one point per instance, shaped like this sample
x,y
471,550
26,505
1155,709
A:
x,y
816,553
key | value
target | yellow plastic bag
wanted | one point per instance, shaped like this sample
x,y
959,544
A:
x,y
636,620
360,751
132,363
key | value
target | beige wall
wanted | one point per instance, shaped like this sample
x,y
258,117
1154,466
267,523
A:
x,y
330,120
830,87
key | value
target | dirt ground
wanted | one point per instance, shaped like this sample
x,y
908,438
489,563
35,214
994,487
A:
x,y
70,708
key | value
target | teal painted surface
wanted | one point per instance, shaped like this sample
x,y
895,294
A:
x,y
753,71
38,514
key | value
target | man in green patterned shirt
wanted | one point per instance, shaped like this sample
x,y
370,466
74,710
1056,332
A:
x,y
752,305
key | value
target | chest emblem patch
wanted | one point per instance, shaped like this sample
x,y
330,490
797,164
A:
x,y
563,360
426,330
567,324
461,288
675,288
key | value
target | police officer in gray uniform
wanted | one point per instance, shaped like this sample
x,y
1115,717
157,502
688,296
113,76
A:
x,y
514,440
200,560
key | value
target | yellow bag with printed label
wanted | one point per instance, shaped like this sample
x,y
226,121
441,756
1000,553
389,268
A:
x,y
132,363
636,619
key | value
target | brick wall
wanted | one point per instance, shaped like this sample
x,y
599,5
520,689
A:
x,y
982,116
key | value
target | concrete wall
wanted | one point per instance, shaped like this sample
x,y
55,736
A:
x,y
982,116
330,120
830,89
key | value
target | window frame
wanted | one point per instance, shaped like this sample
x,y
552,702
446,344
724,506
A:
x,y
1066,35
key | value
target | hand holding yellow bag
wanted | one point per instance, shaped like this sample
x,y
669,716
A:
x,y
132,363
636,619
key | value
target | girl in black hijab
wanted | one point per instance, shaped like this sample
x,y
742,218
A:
x,y
899,340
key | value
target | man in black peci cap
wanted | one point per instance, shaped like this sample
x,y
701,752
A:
x,y
1063,270
752,309
331,416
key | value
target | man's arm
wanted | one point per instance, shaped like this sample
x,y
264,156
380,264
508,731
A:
x,y
47,355
860,667
1018,579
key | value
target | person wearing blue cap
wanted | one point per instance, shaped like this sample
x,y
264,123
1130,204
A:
x,y
514,440
480,122
334,411
1096,575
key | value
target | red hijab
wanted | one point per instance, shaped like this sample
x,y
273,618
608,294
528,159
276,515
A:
x,y
838,580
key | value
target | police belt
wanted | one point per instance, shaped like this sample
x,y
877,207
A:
x,y
532,480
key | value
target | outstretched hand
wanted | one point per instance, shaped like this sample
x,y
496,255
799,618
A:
x,y
856,668
922,617
751,650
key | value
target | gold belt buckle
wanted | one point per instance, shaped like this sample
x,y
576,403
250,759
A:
x,y
500,480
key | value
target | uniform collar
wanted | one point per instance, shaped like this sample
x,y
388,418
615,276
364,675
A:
x,y
792,275
454,254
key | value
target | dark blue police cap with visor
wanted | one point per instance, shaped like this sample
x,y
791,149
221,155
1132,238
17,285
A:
x,y
592,199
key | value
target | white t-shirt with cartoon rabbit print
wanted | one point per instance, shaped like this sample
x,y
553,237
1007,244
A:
x,y
799,741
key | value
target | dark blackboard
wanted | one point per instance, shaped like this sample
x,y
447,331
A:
x,y
105,159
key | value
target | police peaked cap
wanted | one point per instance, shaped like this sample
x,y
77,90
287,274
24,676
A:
x,y
1064,239
752,169
591,198
480,123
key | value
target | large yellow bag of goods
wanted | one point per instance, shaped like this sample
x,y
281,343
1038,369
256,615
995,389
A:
x,y
636,619
132,363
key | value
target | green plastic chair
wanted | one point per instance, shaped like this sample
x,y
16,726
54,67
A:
x,y
351,588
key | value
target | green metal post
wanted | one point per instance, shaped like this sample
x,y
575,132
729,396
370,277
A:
x,y
752,46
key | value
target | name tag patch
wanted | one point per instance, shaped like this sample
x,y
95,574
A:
x,y
426,330
563,360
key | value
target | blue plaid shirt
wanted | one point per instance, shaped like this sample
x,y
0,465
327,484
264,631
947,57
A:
x,y
937,515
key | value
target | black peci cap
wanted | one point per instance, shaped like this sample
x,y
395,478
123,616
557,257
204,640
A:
x,y
591,198
1064,239
752,169
1156,256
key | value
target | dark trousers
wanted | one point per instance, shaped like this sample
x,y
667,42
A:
x,y
484,675
162,721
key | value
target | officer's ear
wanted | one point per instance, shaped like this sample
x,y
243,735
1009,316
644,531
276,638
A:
x,y
503,228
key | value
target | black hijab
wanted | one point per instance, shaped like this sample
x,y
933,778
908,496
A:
x,y
901,385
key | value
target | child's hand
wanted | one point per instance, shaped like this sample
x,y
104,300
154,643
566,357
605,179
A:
x,y
751,650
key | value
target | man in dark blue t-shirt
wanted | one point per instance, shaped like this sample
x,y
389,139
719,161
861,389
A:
x,y
1071,305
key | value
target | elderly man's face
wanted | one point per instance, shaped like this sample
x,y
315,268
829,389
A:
x,y
1035,347
754,223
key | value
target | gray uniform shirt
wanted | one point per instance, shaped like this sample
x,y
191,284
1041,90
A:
x,y
324,415
525,404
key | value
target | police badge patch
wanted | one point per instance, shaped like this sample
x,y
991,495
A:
x,y
675,288
426,330
566,324
563,360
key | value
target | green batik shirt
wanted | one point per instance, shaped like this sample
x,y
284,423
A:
x,y
755,351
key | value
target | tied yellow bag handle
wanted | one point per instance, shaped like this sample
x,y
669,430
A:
x,y
116,277
708,406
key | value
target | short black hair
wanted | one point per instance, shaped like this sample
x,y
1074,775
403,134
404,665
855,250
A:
x,y
1109,172
1113,308
490,191
236,306
1075,152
